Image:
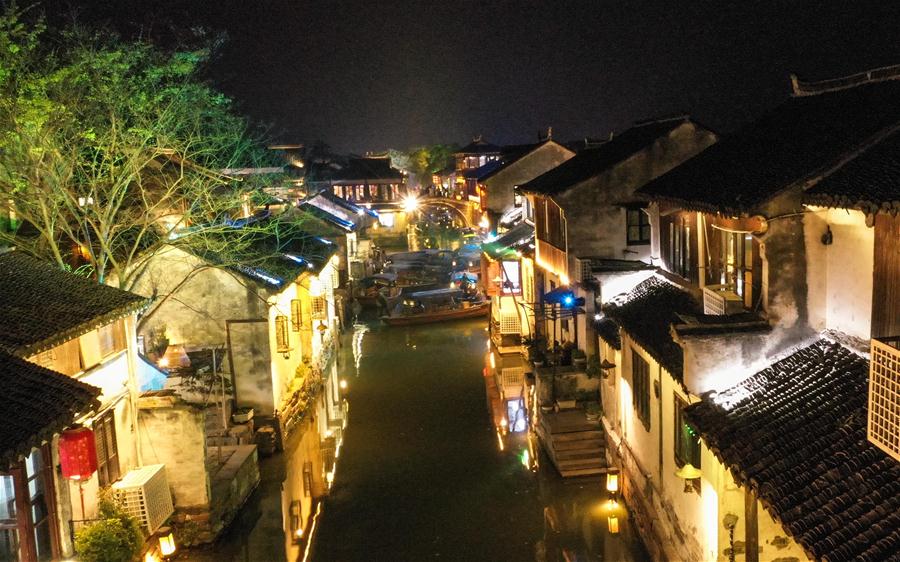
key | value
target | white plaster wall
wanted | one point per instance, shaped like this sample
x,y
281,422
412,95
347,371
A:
x,y
840,275
176,436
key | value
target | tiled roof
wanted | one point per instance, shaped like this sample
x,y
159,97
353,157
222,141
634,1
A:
x,y
646,314
478,146
870,182
519,238
367,169
273,257
591,162
40,402
42,306
797,141
795,433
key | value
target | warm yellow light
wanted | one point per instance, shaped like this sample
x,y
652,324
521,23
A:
x,y
612,482
166,542
493,361
343,384
410,204
163,362
613,524
149,557
503,422
484,222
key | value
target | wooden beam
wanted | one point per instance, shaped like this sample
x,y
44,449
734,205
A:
x,y
751,526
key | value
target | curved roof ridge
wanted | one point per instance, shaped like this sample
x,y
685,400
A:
x,y
812,88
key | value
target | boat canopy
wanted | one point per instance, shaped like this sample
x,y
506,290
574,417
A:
x,y
433,293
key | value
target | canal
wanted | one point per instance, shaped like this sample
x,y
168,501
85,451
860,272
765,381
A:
x,y
421,470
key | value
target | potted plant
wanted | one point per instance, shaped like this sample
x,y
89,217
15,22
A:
x,y
579,358
242,415
592,411
536,347
113,537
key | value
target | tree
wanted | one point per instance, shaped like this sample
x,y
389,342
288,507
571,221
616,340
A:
x,y
424,161
110,150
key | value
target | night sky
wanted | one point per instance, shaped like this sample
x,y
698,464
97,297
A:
x,y
369,75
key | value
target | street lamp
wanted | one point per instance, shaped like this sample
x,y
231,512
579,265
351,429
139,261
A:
x,y
410,203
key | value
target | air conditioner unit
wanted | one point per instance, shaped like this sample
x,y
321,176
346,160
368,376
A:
x,y
144,494
721,300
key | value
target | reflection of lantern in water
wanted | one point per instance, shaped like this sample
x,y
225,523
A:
x,y
613,523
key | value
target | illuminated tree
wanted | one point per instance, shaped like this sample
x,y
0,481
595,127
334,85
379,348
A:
x,y
111,150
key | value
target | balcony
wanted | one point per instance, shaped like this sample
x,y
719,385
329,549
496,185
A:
x,y
722,300
884,395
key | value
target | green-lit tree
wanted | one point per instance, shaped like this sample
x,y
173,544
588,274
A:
x,y
109,150
421,162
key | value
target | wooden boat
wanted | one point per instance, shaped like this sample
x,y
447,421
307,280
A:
x,y
437,305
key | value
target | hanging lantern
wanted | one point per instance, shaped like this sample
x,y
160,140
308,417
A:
x,y
612,481
77,453
689,473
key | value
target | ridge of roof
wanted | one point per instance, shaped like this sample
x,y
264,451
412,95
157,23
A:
x,y
813,88
795,433
791,145
593,161
44,402
42,306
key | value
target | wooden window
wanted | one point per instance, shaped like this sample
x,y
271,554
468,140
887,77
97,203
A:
x,y
319,308
679,248
296,315
28,518
638,227
687,442
282,343
112,338
640,391
107,449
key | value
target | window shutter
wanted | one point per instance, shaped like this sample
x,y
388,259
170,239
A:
x,y
296,315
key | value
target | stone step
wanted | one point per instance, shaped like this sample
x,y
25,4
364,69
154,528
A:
x,y
591,462
581,472
590,453
577,435
571,444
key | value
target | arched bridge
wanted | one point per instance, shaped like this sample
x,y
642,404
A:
x,y
464,209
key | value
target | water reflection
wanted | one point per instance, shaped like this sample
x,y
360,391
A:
x,y
422,472
582,519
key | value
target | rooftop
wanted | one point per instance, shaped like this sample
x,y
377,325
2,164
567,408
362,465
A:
x,y
42,306
44,401
366,169
517,240
593,161
273,256
870,182
478,146
646,314
795,433
804,138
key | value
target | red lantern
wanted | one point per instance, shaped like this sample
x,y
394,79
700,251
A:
x,y
77,453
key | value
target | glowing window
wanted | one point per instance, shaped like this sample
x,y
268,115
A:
x,y
386,219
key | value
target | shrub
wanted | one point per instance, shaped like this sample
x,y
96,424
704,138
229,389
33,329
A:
x,y
115,537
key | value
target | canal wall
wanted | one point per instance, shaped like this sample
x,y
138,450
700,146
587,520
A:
x,y
654,521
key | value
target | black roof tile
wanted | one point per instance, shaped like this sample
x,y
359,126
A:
x,y
366,169
797,141
870,182
795,433
646,314
42,306
591,162
40,402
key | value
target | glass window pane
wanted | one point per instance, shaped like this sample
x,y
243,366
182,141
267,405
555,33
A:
x,y
9,545
42,542
7,501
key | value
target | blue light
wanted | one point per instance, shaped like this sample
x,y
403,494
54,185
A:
x,y
568,300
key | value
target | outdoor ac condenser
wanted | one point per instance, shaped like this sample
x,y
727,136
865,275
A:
x,y
144,494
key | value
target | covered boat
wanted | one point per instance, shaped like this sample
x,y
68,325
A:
x,y
436,305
